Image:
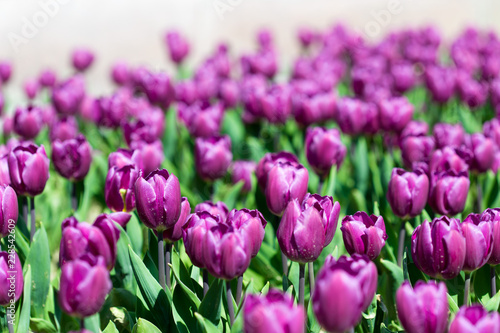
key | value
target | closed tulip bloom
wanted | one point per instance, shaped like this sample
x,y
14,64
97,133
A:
x,y
273,312
216,209
151,155
64,129
344,289
5,71
110,111
408,192
72,158
475,319
243,171
449,159
119,188
423,309
286,181
202,121
448,135
10,278
174,233
84,285
123,157
178,46
28,122
416,149
213,156
329,211
324,149
194,234
395,113
120,73
47,78
315,109
67,96
441,82
8,210
229,92
276,104
353,115
4,170
478,241
158,200
159,89
267,163
473,93
403,77
414,128
82,59
438,248
186,92
31,88
492,216
448,192
251,224
364,234
29,169
483,152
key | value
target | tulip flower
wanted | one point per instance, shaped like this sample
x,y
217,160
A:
x,y
416,149
454,159
403,77
276,104
268,161
8,210
63,129
82,59
216,209
5,71
408,192
11,278
229,92
158,88
120,73
28,122
84,285
251,224
315,109
475,319
414,128
273,312
110,111
438,248
119,188
395,113
149,155
29,169
423,309
195,233
213,156
177,45
186,92
202,121
492,216
478,241
243,171
448,192
353,115
149,127
31,88
72,157
47,78
483,151
344,289
448,135
324,149
441,82
364,234
67,96
472,92
174,233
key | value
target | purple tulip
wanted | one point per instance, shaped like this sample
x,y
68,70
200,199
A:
x,y
119,188
403,77
416,149
47,78
408,192
306,37
364,234
174,233
82,59
355,116
195,233
492,215
449,159
441,82
315,109
202,121
267,163
123,157
475,319
151,155
158,200
5,71
448,192
251,224
229,92
72,158
4,170
28,122
110,111
243,171
395,113
276,104
64,129
438,248
120,73
423,309
483,151
11,277
478,241
186,92
286,181
273,312
149,127
344,289
29,169
67,96
31,88
329,211
178,46
218,209
158,88
448,135
84,285
212,156
8,210
472,92
324,149
414,128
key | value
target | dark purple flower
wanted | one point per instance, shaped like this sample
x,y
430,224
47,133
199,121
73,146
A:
x,y
173,234
8,210
395,113
324,149
63,129
186,92
11,276
148,155
483,151
218,209
416,149
403,77
177,45
364,234
68,95
82,59
195,233
29,169
355,116
251,224
243,171
475,318
314,109
119,188
448,135
478,241
448,192
449,159
229,92
441,82
268,161
408,192
202,121
28,122
213,156
276,104
72,158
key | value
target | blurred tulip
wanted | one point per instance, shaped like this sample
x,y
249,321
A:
x,y
186,92
364,234
492,216
478,241
110,111
47,78
403,77
11,278
472,92
408,192
119,188
416,149
441,82
306,37
8,210
475,318
395,113
82,59
243,171
5,71
28,122
212,156
438,248
67,96
158,88
4,170
64,129
149,127
448,159
483,152
151,155
414,128
448,135
29,169
423,309
229,92
449,192
177,45
175,233
72,158
273,312
251,224
324,149
355,116
276,104
120,73
344,289
31,88
202,121
268,161
315,109
216,209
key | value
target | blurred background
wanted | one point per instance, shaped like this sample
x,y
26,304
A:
x,y
38,34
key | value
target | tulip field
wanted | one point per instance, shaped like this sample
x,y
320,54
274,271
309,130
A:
x,y
353,190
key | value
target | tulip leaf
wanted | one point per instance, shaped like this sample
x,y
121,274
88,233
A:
x,y
39,259
144,326
134,233
194,298
210,307
329,188
123,267
452,304
493,303
293,277
156,299
361,164
24,317
265,290
111,328
42,326
312,322
180,270
206,325
396,272
93,323
184,307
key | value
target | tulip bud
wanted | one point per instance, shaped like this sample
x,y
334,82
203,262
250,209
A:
x,y
28,122
472,92
84,285
120,73
47,78
178,46
395,113
286,182
441,82
213,156
449,159
438,248
449,192
251,224
478,241
110,111
11,277
364,234
64,129
273,312
31,88
403,77
416,149
8,210
492,216
408,192
216,209
448,135
175,233
344,289
324,149
151,155
315,109
475,318
149,127
82,59
423,309
329,211
72,158
483,152
186,92
29,169
119,188
202,121
158,200
276,104
229,92
68,95
414,128
268,161
243,171
195,233
5,71
355,116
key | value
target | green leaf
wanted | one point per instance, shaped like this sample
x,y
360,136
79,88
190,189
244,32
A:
x,y
206,325
452,304
111,328
123,267
329,189
184,308
39,259
265,290
493,303
395,270
189,293
93,323
144,326
312,323
156,299
42,326
210,307
134,232
24,318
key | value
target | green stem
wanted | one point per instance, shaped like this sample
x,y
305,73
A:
x,y
161,262
239,289
493,275
230,306
310,268
168,252
284,266
401,245
467,289
302,279
33,221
